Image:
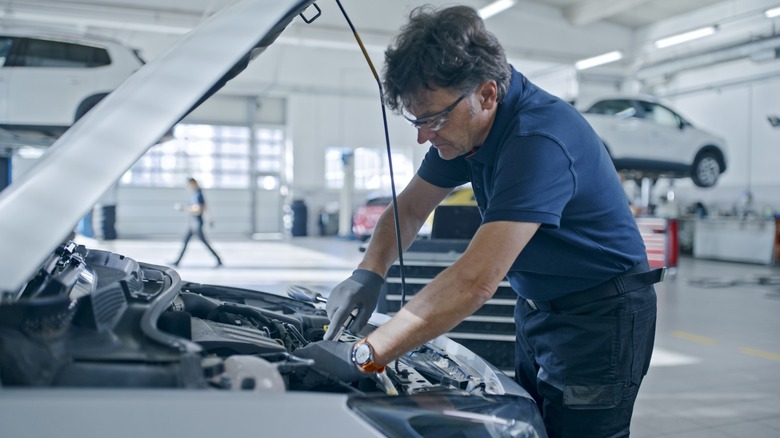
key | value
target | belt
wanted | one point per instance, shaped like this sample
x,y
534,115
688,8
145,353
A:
x,y
612,288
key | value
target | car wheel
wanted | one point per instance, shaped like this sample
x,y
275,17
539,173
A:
x,y
87,104
706,170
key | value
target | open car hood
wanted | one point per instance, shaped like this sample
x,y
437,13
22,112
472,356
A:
x,y
38,211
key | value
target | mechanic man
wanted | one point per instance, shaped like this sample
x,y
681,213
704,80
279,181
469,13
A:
x,y
556,224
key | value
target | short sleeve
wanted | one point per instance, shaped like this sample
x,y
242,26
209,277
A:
x,y
443,173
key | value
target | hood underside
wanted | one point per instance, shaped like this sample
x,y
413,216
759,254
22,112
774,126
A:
x,y
38,211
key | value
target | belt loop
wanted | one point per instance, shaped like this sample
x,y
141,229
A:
x,y
621,286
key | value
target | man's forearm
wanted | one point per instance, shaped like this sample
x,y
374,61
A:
x,y
456,292
433,311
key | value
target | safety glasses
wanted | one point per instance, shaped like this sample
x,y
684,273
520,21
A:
x,y
435,121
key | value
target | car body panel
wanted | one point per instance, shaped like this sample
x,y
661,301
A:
x,y
88,413
128,126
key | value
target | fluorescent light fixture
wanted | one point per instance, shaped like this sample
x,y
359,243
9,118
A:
x,y
30,153
599,60
685,37
496,8
772,13
328,44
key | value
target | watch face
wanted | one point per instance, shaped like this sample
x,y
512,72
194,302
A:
x,y
362,353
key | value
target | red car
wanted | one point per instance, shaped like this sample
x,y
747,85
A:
x,y
364,220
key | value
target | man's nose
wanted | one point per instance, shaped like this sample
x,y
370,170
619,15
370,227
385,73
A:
x,y
424,135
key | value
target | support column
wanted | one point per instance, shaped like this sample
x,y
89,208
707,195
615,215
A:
x,y
347,194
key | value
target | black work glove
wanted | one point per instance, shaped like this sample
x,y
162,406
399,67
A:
x,y
333,359
361,292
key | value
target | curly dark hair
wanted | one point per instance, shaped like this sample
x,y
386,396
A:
x,y
447,48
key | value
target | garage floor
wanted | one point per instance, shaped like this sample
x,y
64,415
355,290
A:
x,y
716,367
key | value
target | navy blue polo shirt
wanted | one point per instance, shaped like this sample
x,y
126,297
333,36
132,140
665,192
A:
x,y
542,162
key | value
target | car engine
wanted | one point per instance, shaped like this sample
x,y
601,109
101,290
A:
x,y
93,318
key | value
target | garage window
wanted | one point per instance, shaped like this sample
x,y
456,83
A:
x,y
371,168
217,156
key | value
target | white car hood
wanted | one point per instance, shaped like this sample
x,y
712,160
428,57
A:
x,y
39,210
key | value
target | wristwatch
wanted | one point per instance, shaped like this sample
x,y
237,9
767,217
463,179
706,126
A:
x,y
363,357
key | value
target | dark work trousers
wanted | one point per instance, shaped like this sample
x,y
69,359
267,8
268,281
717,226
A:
x,y
583,365
196,228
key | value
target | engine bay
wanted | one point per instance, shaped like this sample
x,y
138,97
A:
x,y
93,318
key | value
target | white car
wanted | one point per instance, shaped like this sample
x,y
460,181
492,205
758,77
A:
x,y
49,80
644,136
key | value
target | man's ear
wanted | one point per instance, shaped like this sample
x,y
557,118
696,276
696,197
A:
x,y
488,94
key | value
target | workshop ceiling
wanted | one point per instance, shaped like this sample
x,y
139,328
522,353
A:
x,y
537,23
629,13
539,35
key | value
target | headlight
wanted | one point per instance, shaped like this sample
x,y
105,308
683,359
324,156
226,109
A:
x,y
451,414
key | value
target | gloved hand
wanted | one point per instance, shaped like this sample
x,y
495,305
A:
x,y
332,358
361,292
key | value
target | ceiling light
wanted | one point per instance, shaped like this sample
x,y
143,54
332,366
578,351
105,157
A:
x,y
598,60
772,13
495,8
30,153
685,37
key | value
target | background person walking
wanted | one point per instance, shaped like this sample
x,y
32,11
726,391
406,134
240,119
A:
x,y
197,209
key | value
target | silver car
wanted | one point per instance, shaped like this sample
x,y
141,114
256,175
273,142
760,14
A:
x,y
645,136
95,344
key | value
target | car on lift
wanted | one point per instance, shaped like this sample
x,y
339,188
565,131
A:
x,y
647,138
94,343
49,79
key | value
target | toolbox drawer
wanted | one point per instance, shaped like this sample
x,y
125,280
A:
x,y
489,332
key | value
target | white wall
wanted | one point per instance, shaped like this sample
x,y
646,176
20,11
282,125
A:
x,y
149,212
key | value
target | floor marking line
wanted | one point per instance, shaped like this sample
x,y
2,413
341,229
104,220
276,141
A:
x,y
760,353
694,338
663,357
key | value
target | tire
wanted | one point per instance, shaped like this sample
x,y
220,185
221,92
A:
x,y
706,169
87,104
